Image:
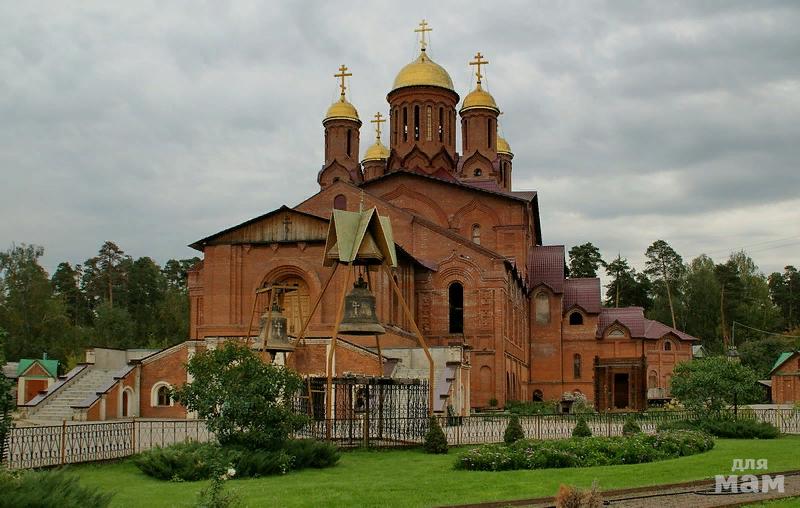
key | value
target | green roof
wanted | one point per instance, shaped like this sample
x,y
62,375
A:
x,y
50,366
782,359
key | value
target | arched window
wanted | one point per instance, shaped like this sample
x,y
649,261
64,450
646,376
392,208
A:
x,y
456,300
340,202
652,380
476,234
538,396
576,318
405,123
667,345
416,123
349,142
394,126
160,394
489,132
576,366
441,124
542,303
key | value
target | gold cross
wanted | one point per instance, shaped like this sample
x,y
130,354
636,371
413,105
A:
x,y
378,121
423,27
342,74
478,62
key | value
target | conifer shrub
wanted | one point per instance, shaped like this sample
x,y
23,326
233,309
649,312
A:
x,y
744,428
48,489
312,453
256,463
189,461
582,428
630,426
513,431
435,440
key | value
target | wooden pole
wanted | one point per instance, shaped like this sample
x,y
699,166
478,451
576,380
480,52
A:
x,y
269,327
377,337
302,333
252,312
329,387
420,338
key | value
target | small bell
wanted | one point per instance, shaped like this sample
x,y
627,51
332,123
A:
x,y
273,331
359,312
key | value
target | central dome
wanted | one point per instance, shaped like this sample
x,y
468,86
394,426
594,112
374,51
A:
x,y
423,72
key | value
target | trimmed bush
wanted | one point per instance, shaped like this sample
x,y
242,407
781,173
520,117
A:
x,y
727,428
513,431
189,461
312,453
531,408
582,428
255,463
630,427
585,452
435,440
48,489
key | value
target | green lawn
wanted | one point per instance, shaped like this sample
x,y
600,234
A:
x,y
412,478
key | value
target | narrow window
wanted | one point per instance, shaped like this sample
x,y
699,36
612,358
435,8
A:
x,y
489,132
576,318
667,345
476,234
349,141
456,300
163,396
453,128
405,123
441,125
576,366
428,124
340,202
416,123
465,134
394,126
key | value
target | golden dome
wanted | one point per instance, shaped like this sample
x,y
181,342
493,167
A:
x,y
341,110
479,98
423,72
376,152
502,146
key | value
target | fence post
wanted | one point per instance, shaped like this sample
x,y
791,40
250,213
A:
x,y
133,436
63,440
608,424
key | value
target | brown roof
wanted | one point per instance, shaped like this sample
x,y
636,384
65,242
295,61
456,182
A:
x,y
640,327
546,266
583,292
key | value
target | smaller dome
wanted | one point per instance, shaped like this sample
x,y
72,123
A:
x,y
376,152
503,146
341,110
423,72
479,98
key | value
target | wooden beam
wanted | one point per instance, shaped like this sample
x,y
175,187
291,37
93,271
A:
x,y
420,338
329,388
302,333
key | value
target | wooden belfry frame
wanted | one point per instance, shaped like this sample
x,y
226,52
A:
x,y
354,239
275,291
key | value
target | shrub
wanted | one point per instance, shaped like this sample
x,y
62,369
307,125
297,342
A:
x,y
513,431
493,402
214,495
184,461
531,408
255,463
727,428
312,453
582,428
573,497
631,427
48,489
585,452
435,440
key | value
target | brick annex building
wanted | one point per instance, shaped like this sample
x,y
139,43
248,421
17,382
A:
x,y
487,294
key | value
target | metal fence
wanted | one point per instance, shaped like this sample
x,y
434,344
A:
x,y
32,447
54,445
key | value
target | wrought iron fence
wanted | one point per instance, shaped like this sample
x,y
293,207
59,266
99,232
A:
x,y
53,445
32,447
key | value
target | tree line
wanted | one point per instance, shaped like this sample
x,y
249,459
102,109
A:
x,y
723,303
111,300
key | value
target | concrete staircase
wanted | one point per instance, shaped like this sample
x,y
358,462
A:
x,y
58,407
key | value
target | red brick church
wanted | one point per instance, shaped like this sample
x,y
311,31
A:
x,y
489,296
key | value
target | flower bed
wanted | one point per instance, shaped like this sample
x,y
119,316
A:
x,y
585,452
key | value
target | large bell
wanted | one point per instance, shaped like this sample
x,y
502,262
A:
x,y
359,312
273,331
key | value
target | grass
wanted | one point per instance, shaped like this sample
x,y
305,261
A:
x,y
412,478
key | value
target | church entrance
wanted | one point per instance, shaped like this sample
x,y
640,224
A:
x,y
621,391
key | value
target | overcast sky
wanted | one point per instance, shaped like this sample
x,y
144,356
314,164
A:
x,y
154,124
